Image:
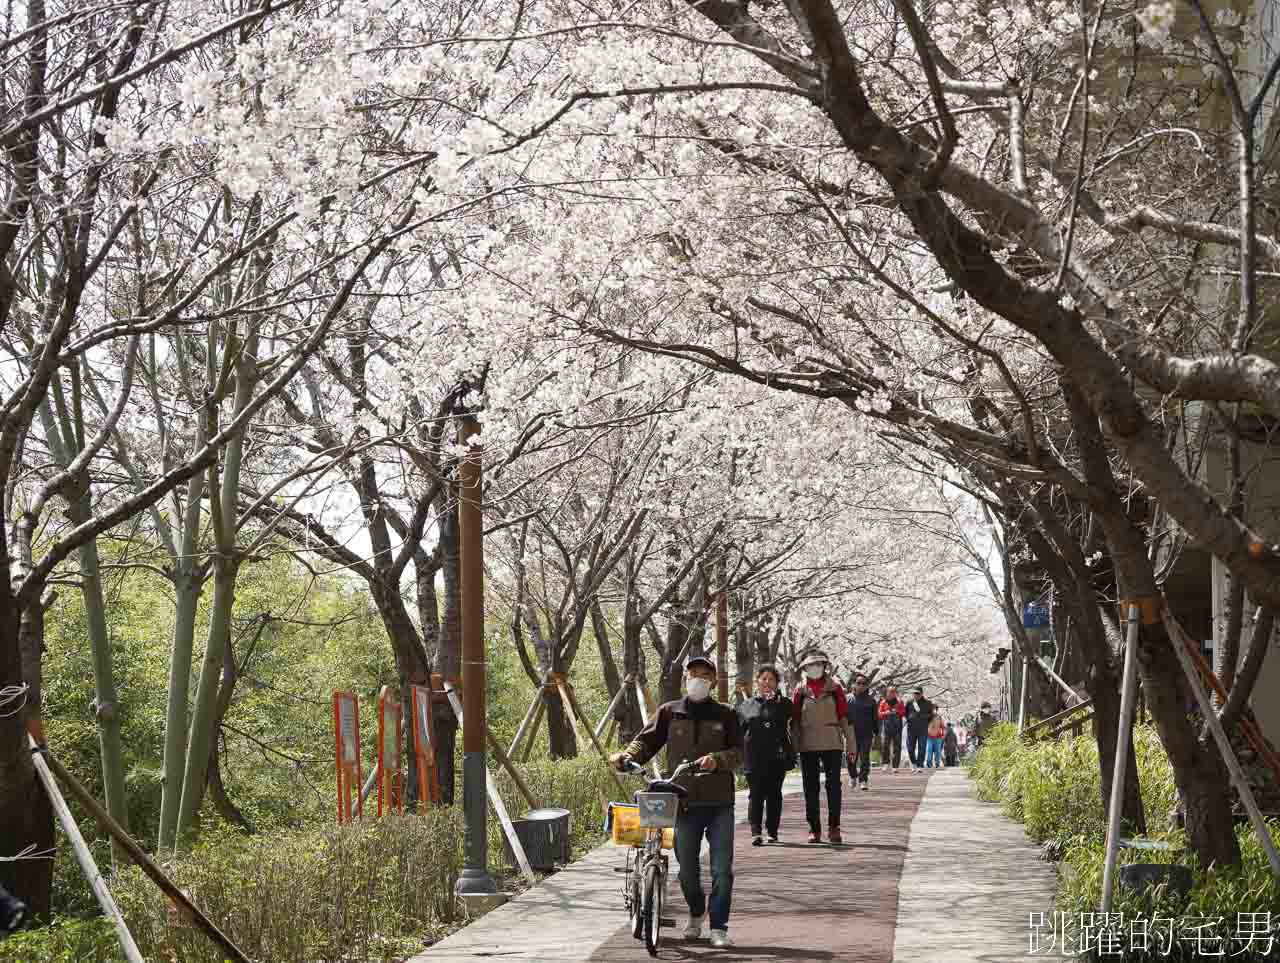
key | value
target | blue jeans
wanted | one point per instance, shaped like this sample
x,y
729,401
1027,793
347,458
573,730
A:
x,y
915,747
934,756
717,823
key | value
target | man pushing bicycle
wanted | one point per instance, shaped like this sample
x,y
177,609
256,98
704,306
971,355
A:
x,y
698,729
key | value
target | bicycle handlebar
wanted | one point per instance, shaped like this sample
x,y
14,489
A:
x,y
637,769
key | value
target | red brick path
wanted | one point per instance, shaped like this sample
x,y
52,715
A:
x,y
795,901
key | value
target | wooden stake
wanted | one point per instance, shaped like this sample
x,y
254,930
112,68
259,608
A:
x,y
524,723
532,737
1127,688
85,858
645,712
505,761
574,717
125,841
608,713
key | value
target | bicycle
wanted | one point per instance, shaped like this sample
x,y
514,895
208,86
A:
x,y
644,886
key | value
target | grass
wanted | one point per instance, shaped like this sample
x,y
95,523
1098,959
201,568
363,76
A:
x,y
1053,788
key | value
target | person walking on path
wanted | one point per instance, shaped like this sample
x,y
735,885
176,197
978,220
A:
x,y
698,729
892,711
984,723
767,752
864,717
821,733
950,746
919,712
933,752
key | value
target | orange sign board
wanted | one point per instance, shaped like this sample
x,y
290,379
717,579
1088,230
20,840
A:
x,y
390,784
346,726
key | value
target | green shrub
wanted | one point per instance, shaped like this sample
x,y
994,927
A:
x,y
1216,901
1054,788
375,890
65,941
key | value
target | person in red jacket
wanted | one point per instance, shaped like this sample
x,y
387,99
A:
x,y
892,711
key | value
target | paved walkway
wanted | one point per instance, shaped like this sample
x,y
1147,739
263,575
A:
x,y
970,881
927,874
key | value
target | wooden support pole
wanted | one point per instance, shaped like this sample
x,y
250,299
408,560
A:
x,y
1128,686
495,798
575,718
645,712
368,786
532,737
134,851
505,762
1022,699
608,736
524,723
1178,638
608,713
85,859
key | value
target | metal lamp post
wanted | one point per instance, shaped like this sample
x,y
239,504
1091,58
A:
x,y
475,878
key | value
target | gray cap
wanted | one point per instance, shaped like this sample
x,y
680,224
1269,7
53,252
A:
x,y
817,655
699,660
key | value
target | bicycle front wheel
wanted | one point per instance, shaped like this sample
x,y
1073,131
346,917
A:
x,y
654,894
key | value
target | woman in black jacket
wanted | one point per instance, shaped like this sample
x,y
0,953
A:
x,y
767,752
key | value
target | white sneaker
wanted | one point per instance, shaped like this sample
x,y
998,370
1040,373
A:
x,y
885,767
693,928
720,938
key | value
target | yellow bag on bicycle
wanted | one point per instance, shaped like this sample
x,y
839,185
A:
x,y
623,826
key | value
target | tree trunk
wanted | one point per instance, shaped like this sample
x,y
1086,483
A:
x,y
562,742
627,712
200,740
222,803
107,705
26,815
188,585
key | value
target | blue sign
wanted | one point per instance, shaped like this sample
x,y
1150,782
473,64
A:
x,y
1035,616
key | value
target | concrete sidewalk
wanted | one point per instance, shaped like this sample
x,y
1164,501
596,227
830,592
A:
x,y
563,919
970,880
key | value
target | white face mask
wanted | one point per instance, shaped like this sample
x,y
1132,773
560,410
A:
x,y
815,671
698,689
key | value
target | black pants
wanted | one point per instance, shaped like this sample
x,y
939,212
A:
x,y
812,764
764,799
891,747
916,742
860,765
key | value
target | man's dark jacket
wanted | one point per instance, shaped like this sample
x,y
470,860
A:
x,y
919,712
864,715
690,730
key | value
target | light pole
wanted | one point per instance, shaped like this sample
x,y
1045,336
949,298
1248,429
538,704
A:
x,y
475,879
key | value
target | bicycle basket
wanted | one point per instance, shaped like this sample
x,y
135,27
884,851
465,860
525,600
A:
x,y
657,809
623,826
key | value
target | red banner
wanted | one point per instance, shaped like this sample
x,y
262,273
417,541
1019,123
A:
x,y
346,725
390,783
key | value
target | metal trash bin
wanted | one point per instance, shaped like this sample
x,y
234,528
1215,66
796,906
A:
x,y
544,834
1140,876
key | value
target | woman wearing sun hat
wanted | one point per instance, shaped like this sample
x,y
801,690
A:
x,y
820,732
